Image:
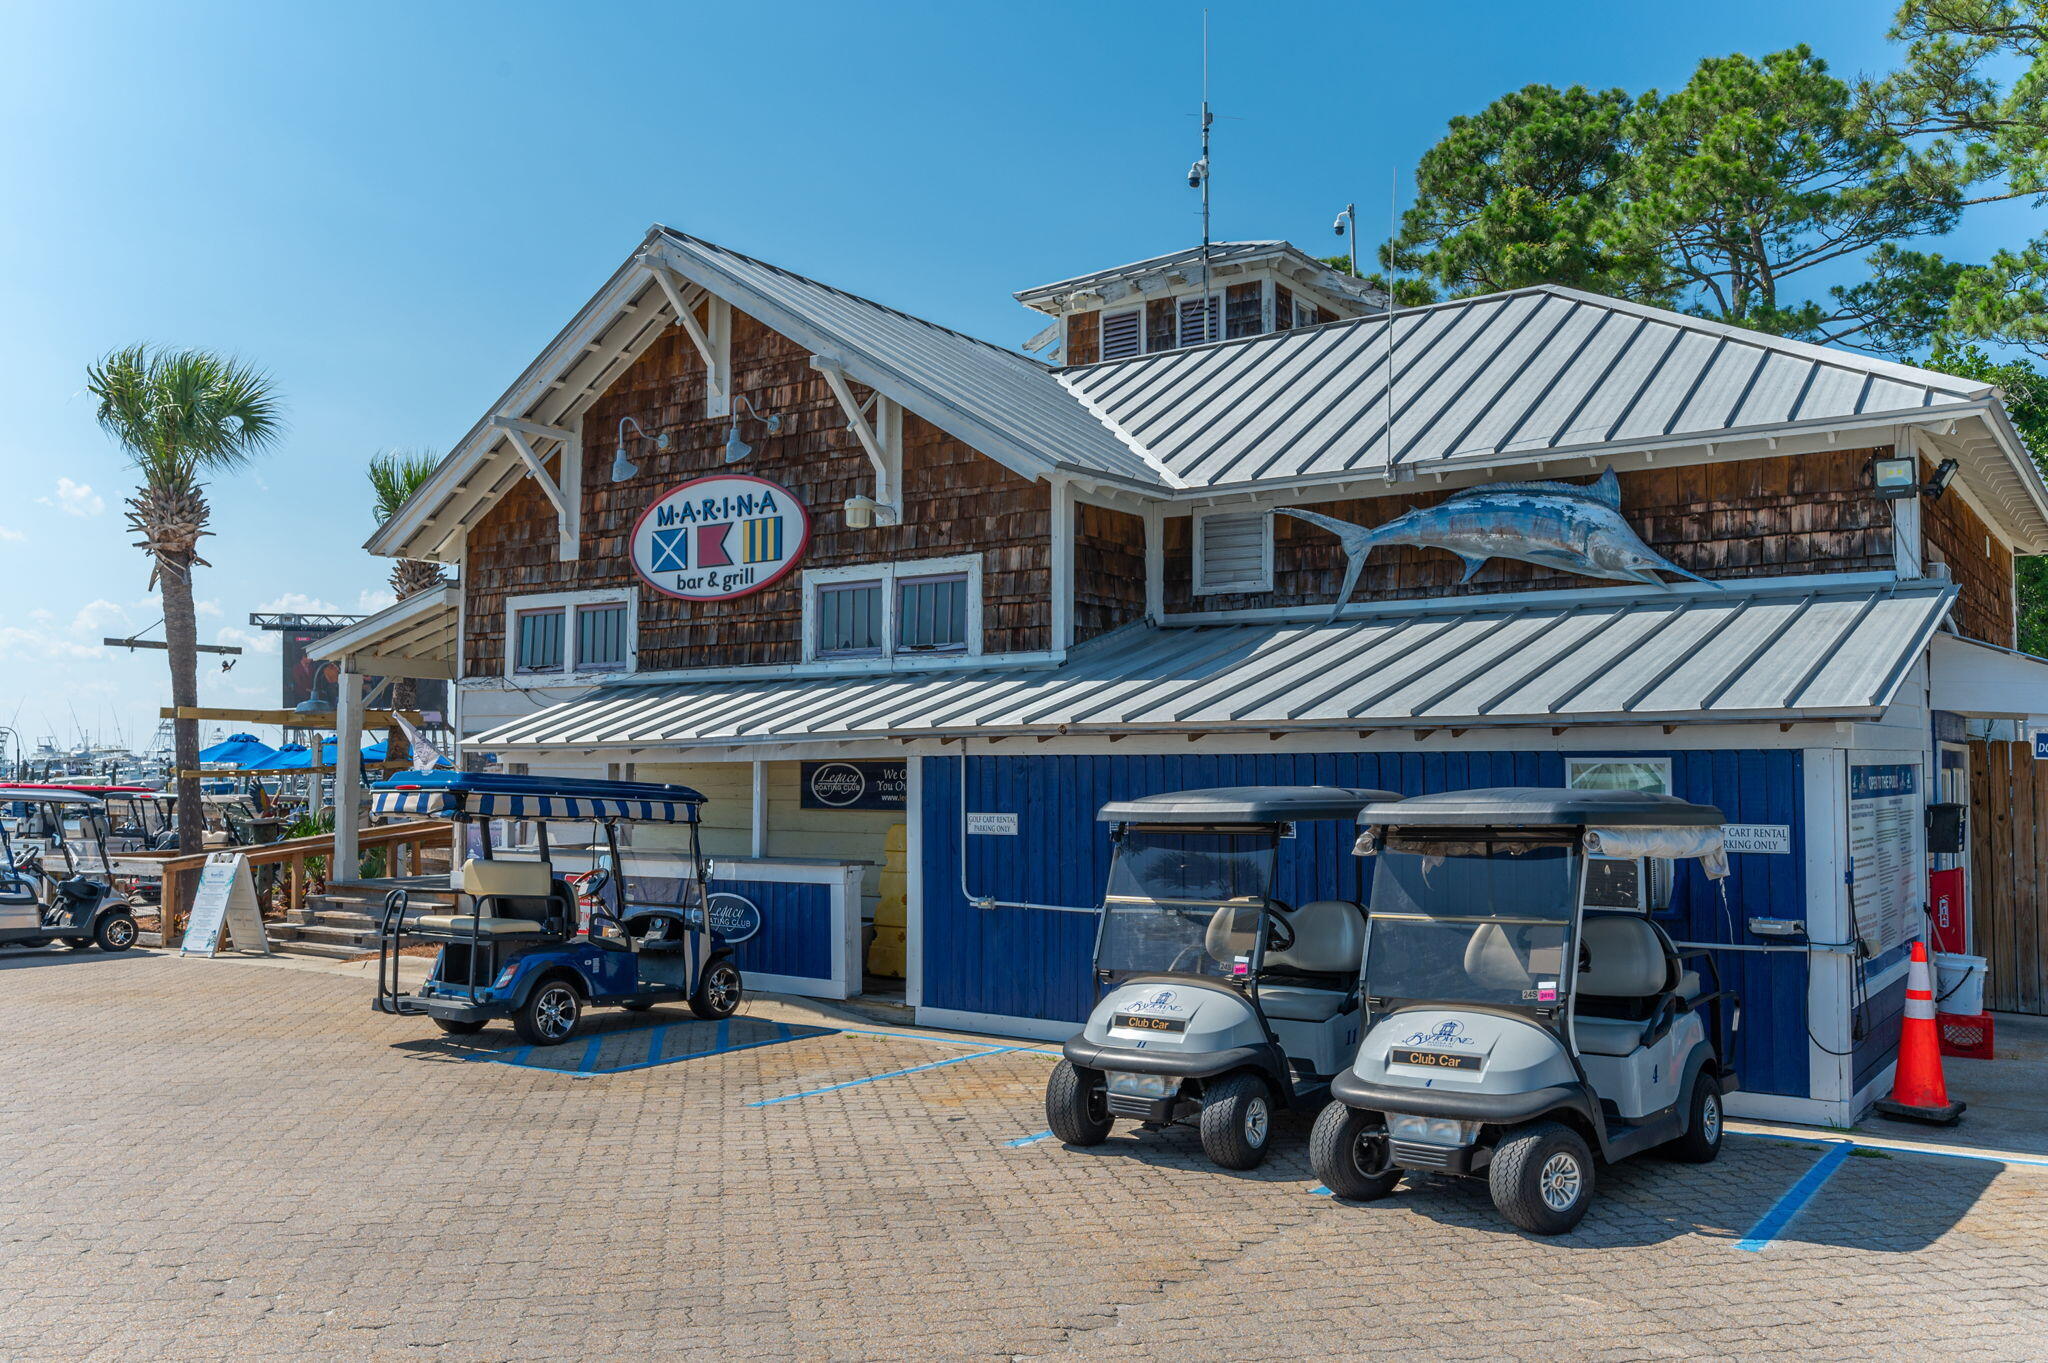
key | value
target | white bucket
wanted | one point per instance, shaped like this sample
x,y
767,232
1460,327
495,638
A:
x,y
1958,984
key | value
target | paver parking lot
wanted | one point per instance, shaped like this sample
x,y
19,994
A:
x,y
218,1159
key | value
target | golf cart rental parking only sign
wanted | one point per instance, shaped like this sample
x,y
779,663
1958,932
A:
x,y
718,537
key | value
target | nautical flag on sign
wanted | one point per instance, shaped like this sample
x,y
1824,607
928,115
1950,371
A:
x,y
711,545
761,540
671,550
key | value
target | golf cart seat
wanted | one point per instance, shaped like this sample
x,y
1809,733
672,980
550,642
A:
x,y
1626,967
1329,939
523,897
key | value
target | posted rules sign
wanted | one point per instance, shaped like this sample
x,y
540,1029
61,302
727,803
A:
x,y
226,901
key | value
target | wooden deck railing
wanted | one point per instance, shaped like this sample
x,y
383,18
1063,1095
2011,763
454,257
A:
x,y
292,853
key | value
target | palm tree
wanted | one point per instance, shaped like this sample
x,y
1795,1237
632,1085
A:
x,y
394,476
178,414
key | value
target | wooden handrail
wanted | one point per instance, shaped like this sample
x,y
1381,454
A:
x,y
172,866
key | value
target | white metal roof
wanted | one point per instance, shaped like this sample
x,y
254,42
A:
x,y
1539,371
1220,253
421,628
1693,654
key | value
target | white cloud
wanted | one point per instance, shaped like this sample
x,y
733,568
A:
x,y
298,603
42,616
97,617
14,639
206,608
251,640
374,599
76,499
10,534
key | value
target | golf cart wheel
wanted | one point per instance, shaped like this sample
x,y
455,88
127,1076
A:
x,y
718,993
457,1027
1349,1151
1077,1105
1237,1121
116,932
549,1015
1702,1139
1542,1177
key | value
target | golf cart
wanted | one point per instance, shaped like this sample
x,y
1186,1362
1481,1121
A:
x,y
77,905
516,949
1524,1013
1222,1003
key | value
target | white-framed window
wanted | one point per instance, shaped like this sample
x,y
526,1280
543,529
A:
x,y
1122,333
915,608
1233,552
562,634
1642,883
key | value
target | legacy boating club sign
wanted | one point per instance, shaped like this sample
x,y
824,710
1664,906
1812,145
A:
x,y
718,537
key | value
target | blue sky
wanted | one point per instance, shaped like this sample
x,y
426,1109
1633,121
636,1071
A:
x,y
393,207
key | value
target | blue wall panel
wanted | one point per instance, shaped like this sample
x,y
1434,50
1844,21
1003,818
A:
x,y
796,928
1035,963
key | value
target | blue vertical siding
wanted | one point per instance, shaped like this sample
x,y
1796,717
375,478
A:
x,y
796,928
1035,963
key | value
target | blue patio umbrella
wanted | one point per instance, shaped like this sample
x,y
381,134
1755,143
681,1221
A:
x,y
291,757
237,750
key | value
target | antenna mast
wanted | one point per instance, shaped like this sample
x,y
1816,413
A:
x,y
1393,232
1199,177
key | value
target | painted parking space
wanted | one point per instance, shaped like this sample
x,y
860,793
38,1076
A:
x,y
640,1048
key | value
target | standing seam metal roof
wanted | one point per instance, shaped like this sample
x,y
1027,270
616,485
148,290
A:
x,y
1607,656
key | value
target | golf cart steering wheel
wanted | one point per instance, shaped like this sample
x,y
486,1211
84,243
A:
x,y
1279,932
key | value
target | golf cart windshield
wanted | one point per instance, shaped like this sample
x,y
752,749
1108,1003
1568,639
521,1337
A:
x,y
1472,917
1185,901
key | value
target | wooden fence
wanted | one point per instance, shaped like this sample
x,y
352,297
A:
x,y
2009,874
293,854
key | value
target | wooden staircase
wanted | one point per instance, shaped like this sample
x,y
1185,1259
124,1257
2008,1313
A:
x,y
341,923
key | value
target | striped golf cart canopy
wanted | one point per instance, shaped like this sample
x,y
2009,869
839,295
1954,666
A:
x,y
484,795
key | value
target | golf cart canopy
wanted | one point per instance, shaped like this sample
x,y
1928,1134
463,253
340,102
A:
x,y
1611,823
49,795
487,795
1243,805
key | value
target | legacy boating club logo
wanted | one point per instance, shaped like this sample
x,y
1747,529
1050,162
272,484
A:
x,y
718,537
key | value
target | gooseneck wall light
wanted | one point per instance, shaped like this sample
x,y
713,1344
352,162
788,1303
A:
x,y
737,449
622,467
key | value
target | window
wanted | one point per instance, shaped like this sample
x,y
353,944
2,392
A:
x,y
1120,334
924,606
560,633
539,641
1641,883
1234,552
601,637
1307,314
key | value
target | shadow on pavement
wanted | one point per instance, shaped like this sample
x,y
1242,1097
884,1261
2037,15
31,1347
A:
x,y
32,958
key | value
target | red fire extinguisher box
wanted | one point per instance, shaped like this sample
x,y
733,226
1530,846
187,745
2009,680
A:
x,y
1945,902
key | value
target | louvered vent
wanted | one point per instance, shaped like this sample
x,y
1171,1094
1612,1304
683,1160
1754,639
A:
x,y
1234,553
1120,334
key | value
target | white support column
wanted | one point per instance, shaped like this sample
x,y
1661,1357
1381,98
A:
x,y
348,774
913,879
1062,565
759,819
1155,561
1906,538
1829,990
571,460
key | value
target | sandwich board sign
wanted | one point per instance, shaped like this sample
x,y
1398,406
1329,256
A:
x,y
226,900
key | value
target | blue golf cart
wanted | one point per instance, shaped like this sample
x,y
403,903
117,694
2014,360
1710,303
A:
x,y
514,947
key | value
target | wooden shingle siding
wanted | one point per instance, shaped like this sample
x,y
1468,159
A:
x,y
1956,535
1760,517
1084,338
955,501
1109,569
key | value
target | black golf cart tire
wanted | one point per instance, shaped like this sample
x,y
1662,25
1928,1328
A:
x,y
1237,1121
1077,1105
526,1021
459,1027
1701,1142
1333,1151
115,932
713,1002
1516,1176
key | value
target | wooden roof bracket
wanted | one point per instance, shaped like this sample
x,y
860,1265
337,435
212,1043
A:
x,y
567,493
712,337
881,438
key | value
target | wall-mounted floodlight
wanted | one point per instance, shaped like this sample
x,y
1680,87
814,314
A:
x,y
622,467
1944,474
737,449
1899,478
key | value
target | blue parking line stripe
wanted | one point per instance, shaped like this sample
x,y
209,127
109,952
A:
x,y
699,1055
654,1040
589,1059
1987,1156
724,1033
1810,1183
1029,1140
1320,1190
874,1078
943,1040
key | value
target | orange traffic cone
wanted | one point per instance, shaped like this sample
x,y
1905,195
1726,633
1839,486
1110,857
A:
x,y
1919,1093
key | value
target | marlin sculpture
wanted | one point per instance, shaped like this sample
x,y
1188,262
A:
x,y
1573,527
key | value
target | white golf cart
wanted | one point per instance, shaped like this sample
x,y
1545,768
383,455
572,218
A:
x,y
1515,1028
1222,1003
73,902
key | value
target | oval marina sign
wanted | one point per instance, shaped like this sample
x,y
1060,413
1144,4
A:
x,y
720,536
